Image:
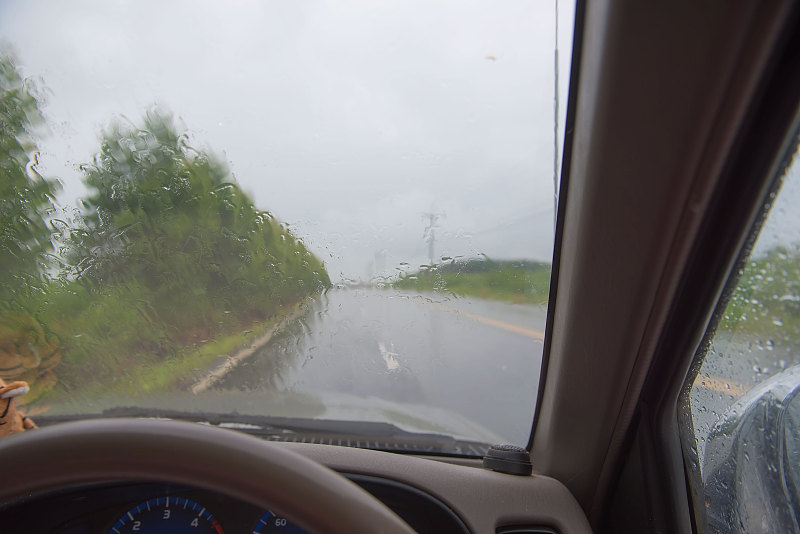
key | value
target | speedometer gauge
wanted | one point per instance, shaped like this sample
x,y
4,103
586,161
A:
x,y
167,515
270,522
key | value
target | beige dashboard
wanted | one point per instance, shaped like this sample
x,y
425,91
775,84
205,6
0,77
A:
x,y
484,500
89,476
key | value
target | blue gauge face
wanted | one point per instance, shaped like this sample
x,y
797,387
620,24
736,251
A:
x,y
270,522
168,515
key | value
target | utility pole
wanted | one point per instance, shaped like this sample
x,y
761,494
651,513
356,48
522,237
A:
x,y
430,233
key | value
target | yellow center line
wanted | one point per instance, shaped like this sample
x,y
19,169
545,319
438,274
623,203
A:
x,y
721,385
508,327
713,383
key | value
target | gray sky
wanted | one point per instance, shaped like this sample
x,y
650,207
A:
x,y
347,121
782,226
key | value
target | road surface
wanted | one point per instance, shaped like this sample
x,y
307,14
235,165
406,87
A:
x,y
477,358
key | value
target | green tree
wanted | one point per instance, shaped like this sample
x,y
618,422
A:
x,y
171,219
28,349
766,300
24,194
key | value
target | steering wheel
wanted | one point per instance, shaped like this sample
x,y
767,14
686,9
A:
x,y
241,466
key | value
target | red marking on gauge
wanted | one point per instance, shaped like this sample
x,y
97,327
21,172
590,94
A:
x,y
217,526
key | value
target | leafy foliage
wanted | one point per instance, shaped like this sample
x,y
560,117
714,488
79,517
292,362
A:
x,y
171,253
766,300
28,350
25,195
173,219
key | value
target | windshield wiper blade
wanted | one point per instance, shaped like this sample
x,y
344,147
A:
x,y
359,434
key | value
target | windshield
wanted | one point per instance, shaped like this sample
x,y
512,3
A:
x,y
312,218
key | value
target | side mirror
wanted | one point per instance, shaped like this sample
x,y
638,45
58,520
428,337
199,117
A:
x,y
791,456
751,468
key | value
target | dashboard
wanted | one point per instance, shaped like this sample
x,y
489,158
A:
x,y
120,476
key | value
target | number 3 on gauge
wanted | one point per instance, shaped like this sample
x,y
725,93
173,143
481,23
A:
x,y
167,514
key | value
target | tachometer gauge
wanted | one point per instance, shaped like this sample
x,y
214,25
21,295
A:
x,y
270,522
167,515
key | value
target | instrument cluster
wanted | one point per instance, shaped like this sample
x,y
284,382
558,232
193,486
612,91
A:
x,y
145,509
154,508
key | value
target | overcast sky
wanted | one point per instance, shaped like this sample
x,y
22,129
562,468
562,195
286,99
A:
x,y
347,120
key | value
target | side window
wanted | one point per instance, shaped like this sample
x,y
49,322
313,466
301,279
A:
x,y
740,417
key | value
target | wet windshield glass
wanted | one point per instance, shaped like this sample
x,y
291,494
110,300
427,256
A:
x,y
281,214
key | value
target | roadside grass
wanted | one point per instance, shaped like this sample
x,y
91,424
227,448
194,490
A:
x,y
765,304
519,282
188,364
145,372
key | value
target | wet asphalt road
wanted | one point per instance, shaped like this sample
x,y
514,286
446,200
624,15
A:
x,y
480,359
476,358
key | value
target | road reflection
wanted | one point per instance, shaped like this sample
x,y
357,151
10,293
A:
x,y
408,349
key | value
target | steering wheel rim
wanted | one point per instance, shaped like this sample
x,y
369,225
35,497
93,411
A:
x,y
240,466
